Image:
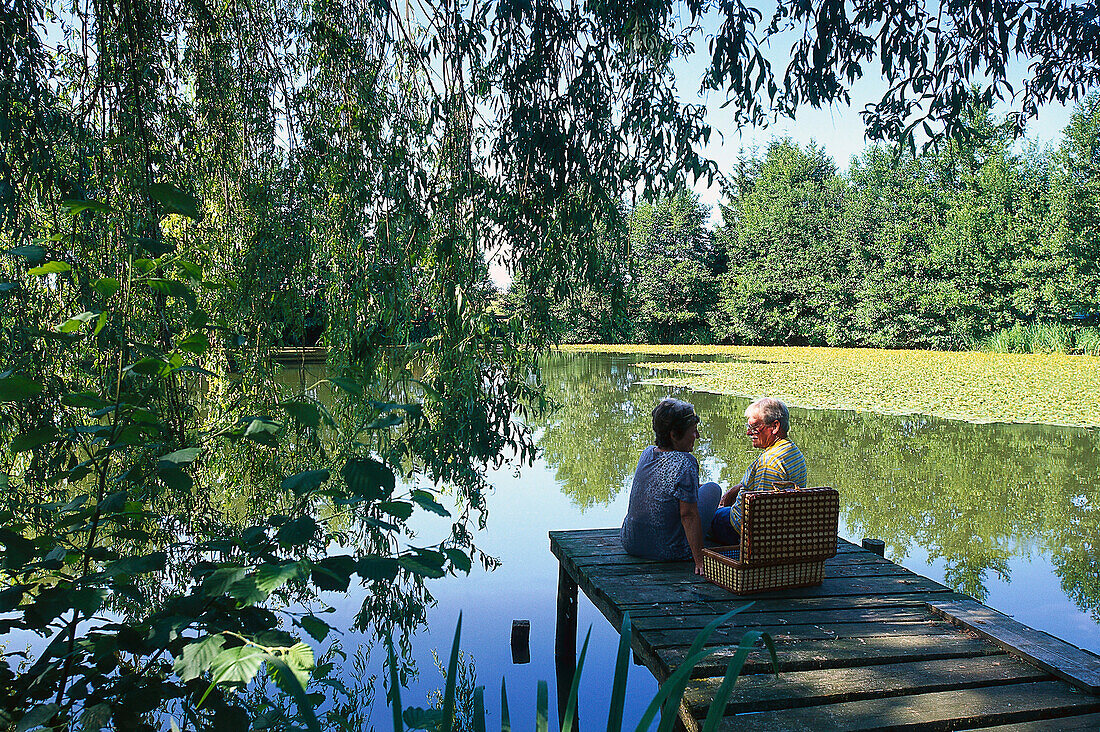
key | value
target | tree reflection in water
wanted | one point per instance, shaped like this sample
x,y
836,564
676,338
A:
x,y
975,496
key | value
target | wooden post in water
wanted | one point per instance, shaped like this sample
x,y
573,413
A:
x,y
878,546
565,643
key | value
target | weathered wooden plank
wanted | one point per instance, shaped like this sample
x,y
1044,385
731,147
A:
x,y
955,709
805,655
789,616
675,569
1077,666
594,542
1089,722
806,688
644,590
718,607
726,636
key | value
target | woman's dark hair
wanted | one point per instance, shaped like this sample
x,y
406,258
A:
x,y
672,416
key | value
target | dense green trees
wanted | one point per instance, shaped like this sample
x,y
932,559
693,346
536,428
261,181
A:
x,y
673,266
934,250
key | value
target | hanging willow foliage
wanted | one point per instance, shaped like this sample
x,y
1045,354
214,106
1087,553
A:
x,y
185,186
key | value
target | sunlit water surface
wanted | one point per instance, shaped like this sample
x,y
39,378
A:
x,y
1007,513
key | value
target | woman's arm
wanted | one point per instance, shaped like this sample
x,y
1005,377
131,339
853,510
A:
x,y
693,529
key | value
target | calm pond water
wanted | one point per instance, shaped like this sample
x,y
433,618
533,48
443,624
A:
x,y
1006,513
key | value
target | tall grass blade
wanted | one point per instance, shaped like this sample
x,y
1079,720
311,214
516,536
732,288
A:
x,y
395,687
574,688
668,714
448,719
618,686
505,718
479,709
673,688
542,708
771,652
721,697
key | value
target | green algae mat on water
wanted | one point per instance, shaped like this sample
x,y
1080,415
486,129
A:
x,y
972,386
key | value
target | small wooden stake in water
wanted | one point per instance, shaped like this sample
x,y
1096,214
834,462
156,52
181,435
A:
x,y
878,546
521,641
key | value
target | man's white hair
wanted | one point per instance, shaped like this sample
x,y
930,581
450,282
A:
x,y
770,410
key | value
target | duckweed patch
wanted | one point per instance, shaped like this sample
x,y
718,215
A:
x,y
971,386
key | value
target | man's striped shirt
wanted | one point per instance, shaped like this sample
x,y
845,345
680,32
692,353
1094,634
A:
x,y
780,466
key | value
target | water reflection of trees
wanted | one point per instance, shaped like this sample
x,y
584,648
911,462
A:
x,y
972,495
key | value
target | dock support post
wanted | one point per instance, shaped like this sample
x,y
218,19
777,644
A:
x,y
878,546
565,643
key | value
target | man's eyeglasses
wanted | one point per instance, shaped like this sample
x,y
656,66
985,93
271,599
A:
x,y
755,429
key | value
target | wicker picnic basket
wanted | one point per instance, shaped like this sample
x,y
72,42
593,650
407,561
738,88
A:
x,y
786,538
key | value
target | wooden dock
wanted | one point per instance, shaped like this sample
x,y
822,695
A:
x,y
874,647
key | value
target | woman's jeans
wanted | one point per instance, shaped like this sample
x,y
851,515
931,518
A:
x,y
716,521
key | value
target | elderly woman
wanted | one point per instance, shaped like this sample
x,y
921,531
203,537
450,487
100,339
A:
x,y
665,519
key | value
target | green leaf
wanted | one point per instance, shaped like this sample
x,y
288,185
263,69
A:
x,y
247,592
400,509
176,201
190,270
333,573
150,366
420,718
198,657
459,559
347,385
219,581
179,458
297,532
132,566
155,247
384,421
174,288
427,501
33,253
263,431
377,568
368,478
176,479
84,400
34,438
76,205
15,388
49,268
270,577
416,566
37,717
95,717
197,343
306,482
303,412
106,286
77,321
292,680
317,628
237,665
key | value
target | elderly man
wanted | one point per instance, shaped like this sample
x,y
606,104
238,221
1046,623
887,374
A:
x,y
779,466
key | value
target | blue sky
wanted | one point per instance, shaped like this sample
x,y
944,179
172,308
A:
x,y
839,129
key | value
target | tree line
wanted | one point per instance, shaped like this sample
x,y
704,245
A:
x,y
937,249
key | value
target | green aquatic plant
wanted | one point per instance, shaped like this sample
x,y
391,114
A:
x,y
664,703
976,387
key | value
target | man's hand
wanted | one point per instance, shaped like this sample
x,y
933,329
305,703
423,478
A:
x,y
699,568
729,496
